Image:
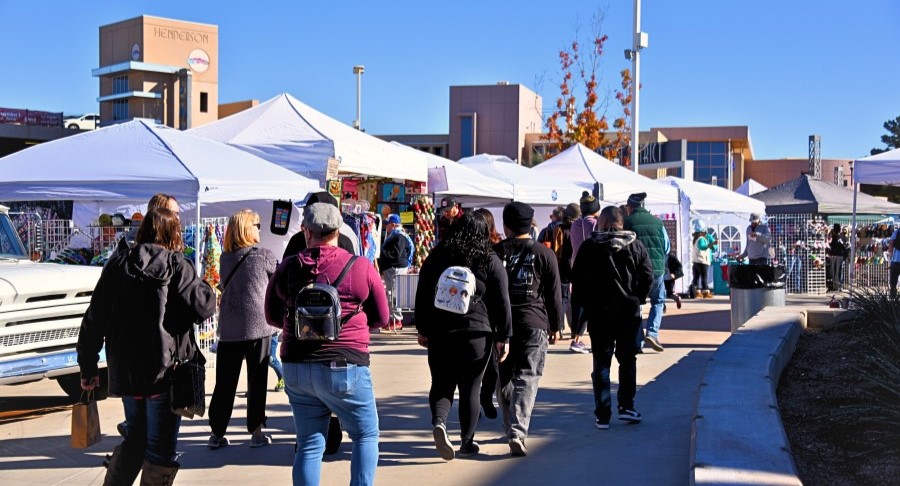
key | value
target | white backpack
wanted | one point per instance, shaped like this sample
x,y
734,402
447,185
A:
x,y
455,290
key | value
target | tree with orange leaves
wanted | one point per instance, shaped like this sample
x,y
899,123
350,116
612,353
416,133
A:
x,y
588,123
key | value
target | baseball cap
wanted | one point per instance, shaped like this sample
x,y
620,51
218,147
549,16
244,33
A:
x,y
393,218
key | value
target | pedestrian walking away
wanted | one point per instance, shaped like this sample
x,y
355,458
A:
x,y
396,257
536,306
581,230
244,335
650,231
492,372
325,348
611,279
460,341
154,276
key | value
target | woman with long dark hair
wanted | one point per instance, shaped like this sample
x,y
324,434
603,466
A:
x,y
493,236
492,372
143,308
459,345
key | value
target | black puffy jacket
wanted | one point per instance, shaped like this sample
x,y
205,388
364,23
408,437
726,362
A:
x,y
144,304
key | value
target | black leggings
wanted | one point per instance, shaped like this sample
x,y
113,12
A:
x,y
457,359
700,271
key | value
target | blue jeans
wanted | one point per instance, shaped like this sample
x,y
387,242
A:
x,y
657,302
153,428
274,362
315,390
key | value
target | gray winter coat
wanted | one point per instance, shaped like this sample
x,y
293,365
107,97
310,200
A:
x,y
241,316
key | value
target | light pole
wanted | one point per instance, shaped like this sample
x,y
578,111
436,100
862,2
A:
x,y
639,41
358,71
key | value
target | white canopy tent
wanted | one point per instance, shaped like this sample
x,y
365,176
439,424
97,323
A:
x,y
881,169
727,212
529,186
582,166
541,191
286,132
465,184
750,187
124,165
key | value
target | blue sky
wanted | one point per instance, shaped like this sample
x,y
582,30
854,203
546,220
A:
x,y
785,68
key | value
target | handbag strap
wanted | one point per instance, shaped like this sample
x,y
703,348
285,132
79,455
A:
x,y
234,270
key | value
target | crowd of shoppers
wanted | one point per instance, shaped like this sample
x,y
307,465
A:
x,y
516,304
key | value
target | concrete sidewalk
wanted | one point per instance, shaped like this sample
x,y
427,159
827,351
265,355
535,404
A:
x,y
563,445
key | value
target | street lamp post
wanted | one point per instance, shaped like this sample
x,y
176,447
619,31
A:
x,y
358,71
639,41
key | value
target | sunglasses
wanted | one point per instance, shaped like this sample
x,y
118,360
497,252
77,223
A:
x,y
258,226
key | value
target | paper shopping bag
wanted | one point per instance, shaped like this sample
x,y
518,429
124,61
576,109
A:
x,y
85,423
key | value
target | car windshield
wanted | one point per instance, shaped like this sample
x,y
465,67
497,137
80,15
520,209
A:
x,y
10,244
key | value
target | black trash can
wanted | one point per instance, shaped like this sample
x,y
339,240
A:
x,y
753,288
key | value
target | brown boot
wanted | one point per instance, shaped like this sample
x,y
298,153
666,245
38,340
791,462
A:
x,y
153,475
122,466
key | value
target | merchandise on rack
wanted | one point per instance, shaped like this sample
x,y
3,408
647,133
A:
x,y
423,211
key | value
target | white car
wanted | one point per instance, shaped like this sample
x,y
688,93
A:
x,y
86,122
41,306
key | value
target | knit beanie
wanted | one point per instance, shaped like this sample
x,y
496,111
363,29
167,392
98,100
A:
x,y
517,217
589,204
637,200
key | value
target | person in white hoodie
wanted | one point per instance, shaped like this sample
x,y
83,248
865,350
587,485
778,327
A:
x,y
700,264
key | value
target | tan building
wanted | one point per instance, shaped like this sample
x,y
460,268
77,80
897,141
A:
x,y
770,173
492,119
162,69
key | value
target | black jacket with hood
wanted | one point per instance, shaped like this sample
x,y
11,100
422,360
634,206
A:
x,y
612,274
143,306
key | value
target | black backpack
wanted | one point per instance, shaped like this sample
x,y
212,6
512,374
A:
x,y
317,309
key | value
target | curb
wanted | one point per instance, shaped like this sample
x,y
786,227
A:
x,y
736,435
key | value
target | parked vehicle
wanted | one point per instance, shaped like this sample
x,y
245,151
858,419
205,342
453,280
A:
x,y
41,307
85,122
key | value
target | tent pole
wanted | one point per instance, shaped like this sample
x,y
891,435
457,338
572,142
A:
x,y
852,266
197,241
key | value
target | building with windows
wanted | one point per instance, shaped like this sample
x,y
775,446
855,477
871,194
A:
x,y
505,119
162,69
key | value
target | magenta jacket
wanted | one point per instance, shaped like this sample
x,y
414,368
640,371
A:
x,y
362,284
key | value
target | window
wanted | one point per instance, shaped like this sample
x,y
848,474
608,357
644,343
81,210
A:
x,y
730,240
466,136
120,109
120,84
204,102
710,159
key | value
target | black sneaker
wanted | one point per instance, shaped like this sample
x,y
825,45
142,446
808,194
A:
x,y
629,415
442,442
468,449
601,424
